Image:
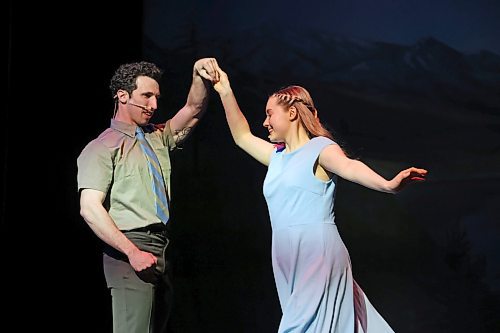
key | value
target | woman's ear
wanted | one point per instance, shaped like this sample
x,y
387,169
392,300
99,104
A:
x,y
292,113
122,96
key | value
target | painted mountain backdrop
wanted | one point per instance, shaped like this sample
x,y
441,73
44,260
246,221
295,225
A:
x,y
392,106
401,100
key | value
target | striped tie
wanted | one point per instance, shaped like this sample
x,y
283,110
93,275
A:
x,y
158,182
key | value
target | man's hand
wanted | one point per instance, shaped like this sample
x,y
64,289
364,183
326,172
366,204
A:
x,y
141,260
207,69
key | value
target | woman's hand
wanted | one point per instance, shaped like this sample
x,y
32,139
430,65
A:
x,y
405,177
222,86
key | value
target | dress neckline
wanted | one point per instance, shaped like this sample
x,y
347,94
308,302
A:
x,y
296,150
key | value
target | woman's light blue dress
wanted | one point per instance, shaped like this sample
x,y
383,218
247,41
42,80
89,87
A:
x,y
311,264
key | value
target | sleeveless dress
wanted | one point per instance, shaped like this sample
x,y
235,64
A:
x,y
311,264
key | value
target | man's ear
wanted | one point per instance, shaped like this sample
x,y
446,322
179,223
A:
x,y
122,96
293,113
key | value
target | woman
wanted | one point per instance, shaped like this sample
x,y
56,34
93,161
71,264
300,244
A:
x,y
311,264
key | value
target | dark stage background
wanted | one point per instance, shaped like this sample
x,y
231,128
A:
x,y
399,85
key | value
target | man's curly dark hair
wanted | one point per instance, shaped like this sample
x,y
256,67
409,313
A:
x,y
126,75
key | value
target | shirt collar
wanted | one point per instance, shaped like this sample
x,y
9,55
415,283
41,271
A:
x,y
128,129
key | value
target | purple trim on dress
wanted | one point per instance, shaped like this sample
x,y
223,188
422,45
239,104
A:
x,y
279,147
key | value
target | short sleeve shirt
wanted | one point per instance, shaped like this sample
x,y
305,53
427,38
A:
x,y
115,164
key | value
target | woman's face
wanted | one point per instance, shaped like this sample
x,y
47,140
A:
x,y
277,120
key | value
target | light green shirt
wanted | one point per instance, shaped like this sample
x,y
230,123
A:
x,y
115,164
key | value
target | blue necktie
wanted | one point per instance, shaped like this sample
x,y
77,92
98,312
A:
x,y
159,188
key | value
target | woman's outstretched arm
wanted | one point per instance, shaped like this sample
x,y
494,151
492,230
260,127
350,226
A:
x,y
333,159
256,147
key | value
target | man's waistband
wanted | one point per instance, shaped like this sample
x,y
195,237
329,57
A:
x,y
158,231
155,227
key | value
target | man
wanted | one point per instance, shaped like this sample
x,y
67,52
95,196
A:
x,y
124,184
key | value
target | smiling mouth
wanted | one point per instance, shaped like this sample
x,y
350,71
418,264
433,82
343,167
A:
x,y
149,113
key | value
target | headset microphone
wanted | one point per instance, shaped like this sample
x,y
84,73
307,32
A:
x,y
145,108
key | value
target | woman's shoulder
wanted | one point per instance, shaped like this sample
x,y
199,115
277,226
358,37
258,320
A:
x,y
323,140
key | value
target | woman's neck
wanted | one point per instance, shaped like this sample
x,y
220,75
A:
x,y
296,139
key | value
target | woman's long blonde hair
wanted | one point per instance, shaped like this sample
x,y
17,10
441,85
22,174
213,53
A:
x,y
300,98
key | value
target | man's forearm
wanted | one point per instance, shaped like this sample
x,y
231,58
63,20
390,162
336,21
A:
x,y
197,99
